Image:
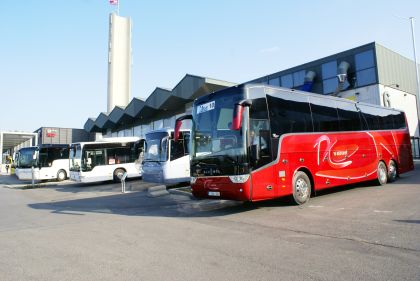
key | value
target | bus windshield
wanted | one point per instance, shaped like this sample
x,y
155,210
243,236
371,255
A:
x,y
75,157
26,158
156,147
213,136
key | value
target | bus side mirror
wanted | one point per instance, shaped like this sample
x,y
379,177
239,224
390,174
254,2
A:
x,y
237,114
237,117
255,153
178,124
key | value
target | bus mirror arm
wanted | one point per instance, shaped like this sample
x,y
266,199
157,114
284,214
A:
x,y
178,124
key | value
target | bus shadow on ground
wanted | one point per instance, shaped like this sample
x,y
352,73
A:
x,y
176,205
140,204
135,184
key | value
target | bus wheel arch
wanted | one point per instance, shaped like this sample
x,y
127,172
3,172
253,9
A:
x,y
302,186
118,173
381,173
392,170
61,175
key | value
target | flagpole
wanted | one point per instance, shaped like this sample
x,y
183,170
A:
x,y
118,8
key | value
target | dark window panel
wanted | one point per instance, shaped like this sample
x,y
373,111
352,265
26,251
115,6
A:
x,y
289,116
325,118
299,78
349,117
274,81
287,81
364,60
329,69
330,85
366,77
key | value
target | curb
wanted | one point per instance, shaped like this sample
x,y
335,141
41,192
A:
x,y
156,191
178,191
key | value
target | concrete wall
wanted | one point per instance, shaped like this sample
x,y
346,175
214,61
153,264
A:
x,y
119,61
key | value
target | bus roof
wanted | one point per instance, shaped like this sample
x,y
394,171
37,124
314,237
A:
x,y
251,87
263,90
166,130
111,140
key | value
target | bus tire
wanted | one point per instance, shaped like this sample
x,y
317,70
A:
x,y
118,173
382,173
392,171
301,188
61,175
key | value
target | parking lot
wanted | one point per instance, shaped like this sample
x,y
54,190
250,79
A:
x,y
70,231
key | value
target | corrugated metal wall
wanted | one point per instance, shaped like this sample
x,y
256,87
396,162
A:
x,y
55,135
395,69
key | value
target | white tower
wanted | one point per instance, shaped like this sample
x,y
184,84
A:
x,y
119,61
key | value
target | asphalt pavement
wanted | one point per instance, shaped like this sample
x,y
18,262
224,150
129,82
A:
x,y
69,231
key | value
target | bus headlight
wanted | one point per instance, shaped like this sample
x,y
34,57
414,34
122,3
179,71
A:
x,y
239,178
192,180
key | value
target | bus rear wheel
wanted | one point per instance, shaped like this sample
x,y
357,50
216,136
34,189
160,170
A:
x,y
382,173
118,174
392,171
301,188
61,175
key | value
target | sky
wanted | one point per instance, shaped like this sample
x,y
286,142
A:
x,y
53,53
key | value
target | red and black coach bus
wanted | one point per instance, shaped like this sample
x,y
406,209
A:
x,y
256,142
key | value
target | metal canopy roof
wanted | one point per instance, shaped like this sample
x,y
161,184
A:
x,y
159,101
9,140
101,120
134,106
90,125
116,114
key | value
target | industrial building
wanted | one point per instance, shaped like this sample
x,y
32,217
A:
x,y
370,73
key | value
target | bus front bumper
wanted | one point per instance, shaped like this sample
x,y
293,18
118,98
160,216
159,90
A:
x,y
221,188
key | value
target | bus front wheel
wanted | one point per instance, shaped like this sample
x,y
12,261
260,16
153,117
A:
x,y
301,188
118,174
61,175
382,173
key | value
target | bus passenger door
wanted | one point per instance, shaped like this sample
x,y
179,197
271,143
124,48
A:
x,y
264,176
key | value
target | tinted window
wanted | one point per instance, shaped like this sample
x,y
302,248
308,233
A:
x,y
289,116
399,120
364,60
180,147
298,78
329,69
287,81
366,77
382,119
349,117
274,81
325,118
330,85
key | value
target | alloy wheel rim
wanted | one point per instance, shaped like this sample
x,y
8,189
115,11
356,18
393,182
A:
x,y
302,189
382,174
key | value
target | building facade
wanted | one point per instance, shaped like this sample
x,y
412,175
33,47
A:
x,y
370,73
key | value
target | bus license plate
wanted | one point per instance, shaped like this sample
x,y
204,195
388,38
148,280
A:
x,y
214,193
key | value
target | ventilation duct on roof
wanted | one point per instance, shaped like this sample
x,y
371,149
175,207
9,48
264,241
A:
x,y
342,76
309,81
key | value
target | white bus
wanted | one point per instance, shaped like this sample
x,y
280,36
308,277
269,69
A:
x,y
165,160
107,159
50,161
